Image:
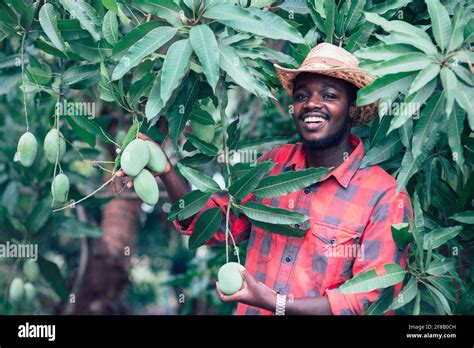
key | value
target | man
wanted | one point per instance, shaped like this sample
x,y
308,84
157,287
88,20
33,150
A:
x,y
351,210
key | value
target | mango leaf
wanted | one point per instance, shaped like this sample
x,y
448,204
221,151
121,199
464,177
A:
x,y
110,5
445,286
189,205
206,227
441,25
408,169
110,28
131,134
75,228
441,266
404,33
205,148
385,87
202,117
52,274
329,24
40,215
264,213
165,9
403,63
201,181
231,62
449,81
267,141
250,180
295,6
154,104
466,102
204,44
454,131
440,236
284,230
48,20
384,52
280,185
429,123
353,15
369,280
465,217
360,37
139,89
70,29
384,150
86,15
406,295
439,299
134,35
386,6
81,76
254,21
143,47
457,31
174,68
401,235
424,77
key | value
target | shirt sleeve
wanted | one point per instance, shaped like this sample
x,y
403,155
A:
x,y
240,226
379,249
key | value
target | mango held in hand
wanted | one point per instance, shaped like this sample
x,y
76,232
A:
x,y
229,278
16,290
53,141
135,157
146,187
60,188
157,162
205,132
27,148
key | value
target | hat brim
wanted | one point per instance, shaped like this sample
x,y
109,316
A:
x,y
357,76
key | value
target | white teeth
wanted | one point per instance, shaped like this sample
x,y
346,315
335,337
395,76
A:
x,y
314,119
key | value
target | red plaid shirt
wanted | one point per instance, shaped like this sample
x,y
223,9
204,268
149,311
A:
x,y
349,231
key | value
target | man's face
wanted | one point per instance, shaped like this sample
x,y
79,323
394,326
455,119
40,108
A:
x,y
321,107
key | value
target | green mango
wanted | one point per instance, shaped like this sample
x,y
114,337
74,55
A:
x,y
135,157
27,148
158,160
31,270
60,188
205,132
146,187
229,278
30,292
53,141
16,290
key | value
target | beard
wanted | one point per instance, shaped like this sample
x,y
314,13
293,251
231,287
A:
x,y
330,140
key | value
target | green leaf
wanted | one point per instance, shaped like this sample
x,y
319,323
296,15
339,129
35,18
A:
x,y
202,117
406,295
384,52
284,230
404,33
198,179
465,217
384,150
86,136
353,16
254,21
424,77
408,169
110,5
74,228
204,44
189,205
267,141
445,286
386,6
416,307
86,15
441,25
110,28
205,148
81,76
449,81
283,184
466,102
380,306
250,180
403,63
369,280
441,266
264,213
52,274
70,30
143,47
206,227
48,20
40,215
134,35
454,131
38,75
360,37
295,6
429,123
231,62
418,215
329,24
165,9
131,134
154,104
401,235
440,236
174,68
139,89
384,87
439,298
457,31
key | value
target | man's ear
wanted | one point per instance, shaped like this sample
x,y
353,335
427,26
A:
x,y
352,109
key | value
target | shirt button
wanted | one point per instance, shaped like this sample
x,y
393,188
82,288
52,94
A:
x,y
297,225
333,241
288,259
278,292
307,190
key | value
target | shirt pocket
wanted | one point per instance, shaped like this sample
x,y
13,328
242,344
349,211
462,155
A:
x,y
262,245
334,250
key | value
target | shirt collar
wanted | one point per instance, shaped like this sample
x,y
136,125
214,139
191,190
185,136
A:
x,y
344,172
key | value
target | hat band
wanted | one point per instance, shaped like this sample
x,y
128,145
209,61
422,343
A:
x,y
323,60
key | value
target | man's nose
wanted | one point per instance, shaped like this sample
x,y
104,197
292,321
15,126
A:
x,y
313,102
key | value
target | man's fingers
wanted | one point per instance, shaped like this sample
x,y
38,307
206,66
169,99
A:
x,y
117,150
144,137
227,298
120,173
130,184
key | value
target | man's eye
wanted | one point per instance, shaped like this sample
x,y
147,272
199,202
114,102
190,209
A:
x,y
300,96
330,96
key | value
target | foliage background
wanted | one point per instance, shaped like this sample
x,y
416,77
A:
x,y
421,51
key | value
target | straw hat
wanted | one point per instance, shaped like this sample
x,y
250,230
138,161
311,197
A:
x,y
331,60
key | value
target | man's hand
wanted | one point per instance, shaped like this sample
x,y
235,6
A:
x,y
252,293
142,136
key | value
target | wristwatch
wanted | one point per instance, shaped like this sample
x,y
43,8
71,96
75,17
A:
x,y
280,304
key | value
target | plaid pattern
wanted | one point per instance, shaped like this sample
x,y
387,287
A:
x,y
351,211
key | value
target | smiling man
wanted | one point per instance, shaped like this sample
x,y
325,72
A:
x,y
351,210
